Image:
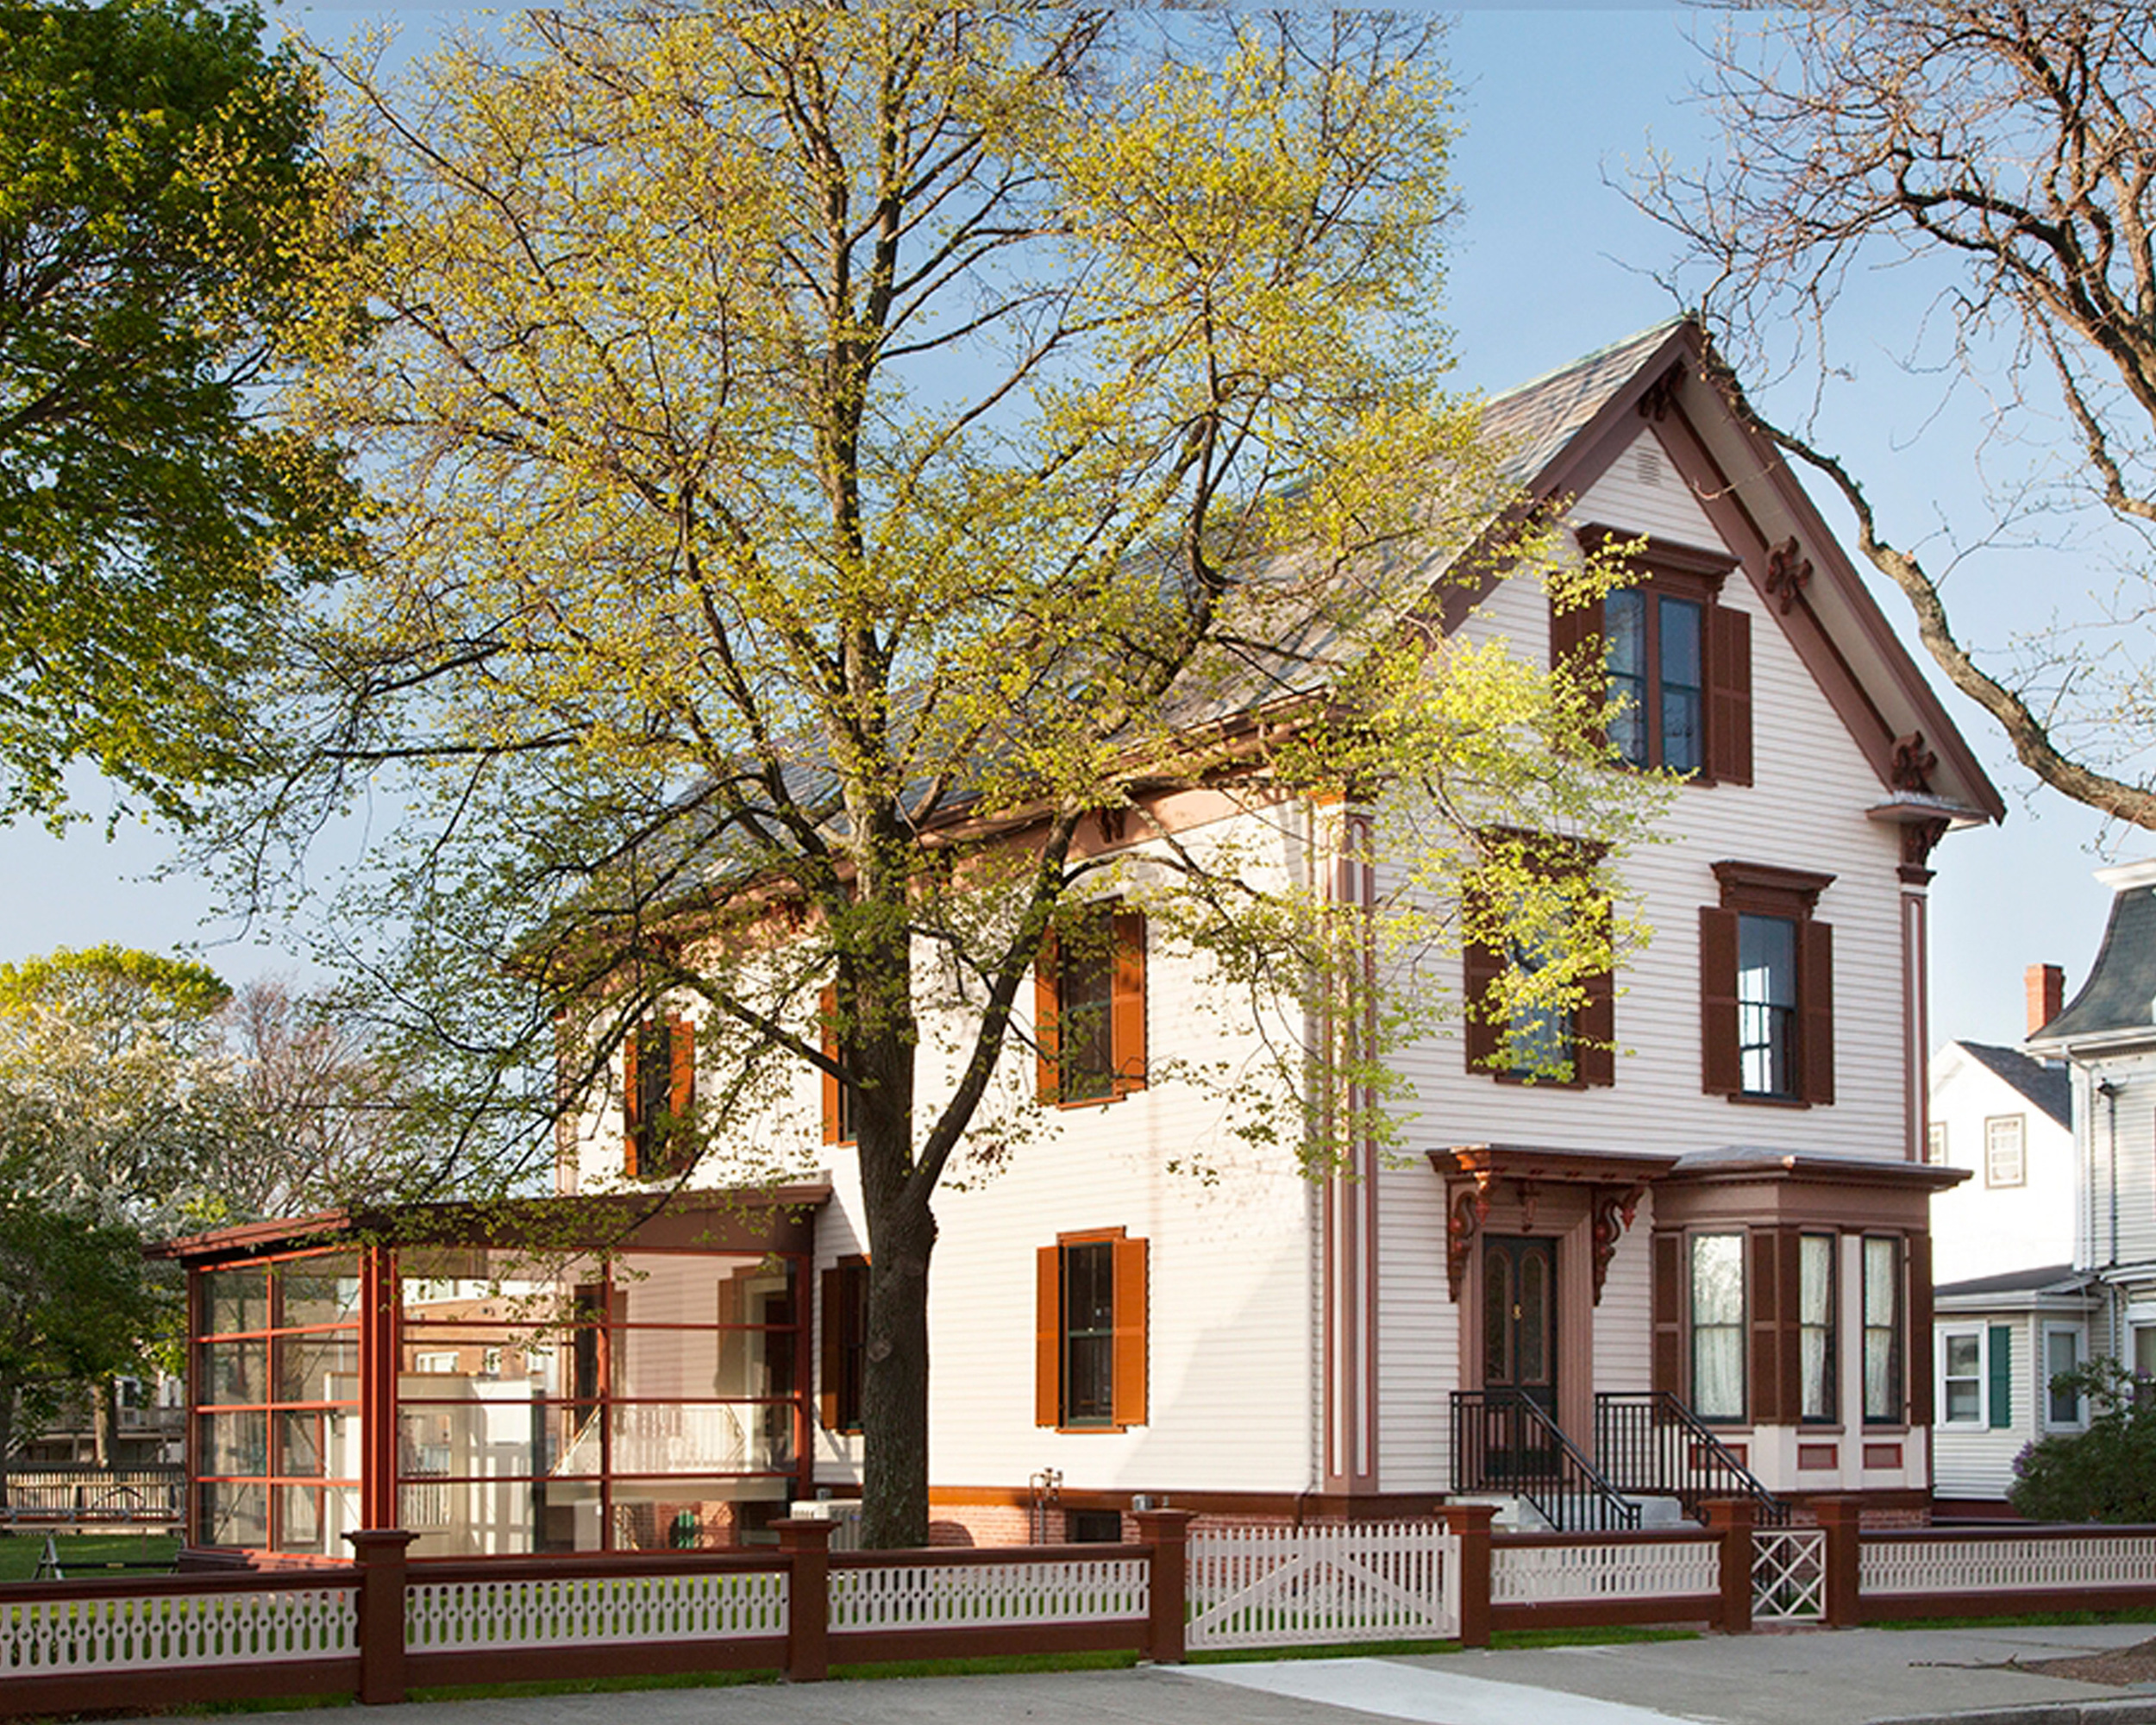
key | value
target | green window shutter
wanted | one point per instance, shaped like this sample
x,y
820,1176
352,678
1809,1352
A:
x,y
2001,1359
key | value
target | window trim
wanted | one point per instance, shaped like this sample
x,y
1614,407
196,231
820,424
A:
x,y
1130,1324
2080,1422
2020,1123
1981,1375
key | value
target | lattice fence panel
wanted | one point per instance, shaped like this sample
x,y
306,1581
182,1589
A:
x,y
2045,1560
963,1595
1529,1575
455,1616
164,1631
1284,1587
1789,1575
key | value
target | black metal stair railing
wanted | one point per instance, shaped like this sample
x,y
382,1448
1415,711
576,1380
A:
x,y
1504,1442
1652,1445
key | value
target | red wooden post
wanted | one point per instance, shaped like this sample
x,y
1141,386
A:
x,y
1731,1517
1167,1532
807,1545
1842,1518
1470,1523
380,1555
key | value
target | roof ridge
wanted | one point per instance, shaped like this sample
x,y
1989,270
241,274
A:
x,y
1638,337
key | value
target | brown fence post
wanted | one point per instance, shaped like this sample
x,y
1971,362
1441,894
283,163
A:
x,y
1470,1523
806,1544
1842,1519
380,1555
1730,1517
1168,1584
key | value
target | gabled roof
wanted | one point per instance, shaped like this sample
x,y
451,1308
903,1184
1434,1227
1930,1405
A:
x,y
2047,1086
2120,996
1568,426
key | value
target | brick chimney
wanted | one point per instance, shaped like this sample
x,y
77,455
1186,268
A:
x,y
2047,987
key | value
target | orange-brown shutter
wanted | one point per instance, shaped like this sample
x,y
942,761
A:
x,y
1130,1312
1046,1008
682,1079
827,1014
1048,1336
630,1123
1917,1336
1766,1293
1126,1011
1721,1070
1815,1005
1485,1034
1729,695
831,1355
1666,1303
1594,1049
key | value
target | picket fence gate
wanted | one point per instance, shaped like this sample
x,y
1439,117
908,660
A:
x,y
1283,1587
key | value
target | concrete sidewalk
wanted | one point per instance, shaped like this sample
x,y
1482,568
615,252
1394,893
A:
x,y
1820,1677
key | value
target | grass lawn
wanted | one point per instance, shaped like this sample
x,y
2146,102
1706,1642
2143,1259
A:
x,y
84,1556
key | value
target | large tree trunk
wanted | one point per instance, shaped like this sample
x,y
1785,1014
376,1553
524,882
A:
x,y
894,1390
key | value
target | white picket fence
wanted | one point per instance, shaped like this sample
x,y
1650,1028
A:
x,y
117,1632
569,1611
2024,1564
1284,1587
949,1596
1619,1569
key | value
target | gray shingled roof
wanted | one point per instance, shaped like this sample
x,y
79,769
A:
x,y
2046,1086
2051,1278
1538,419
2120,988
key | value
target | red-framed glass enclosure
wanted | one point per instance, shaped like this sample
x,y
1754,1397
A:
x,y
562,1375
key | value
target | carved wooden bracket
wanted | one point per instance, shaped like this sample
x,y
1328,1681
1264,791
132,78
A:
x,y
1788,572
1918,837
1661,395
1614,1209
1469,1210
1912,763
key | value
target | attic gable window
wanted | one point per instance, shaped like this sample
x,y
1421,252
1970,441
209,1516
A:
x,y
1674,661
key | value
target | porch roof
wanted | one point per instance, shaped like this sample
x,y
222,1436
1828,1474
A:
x,y
1552,1163
755,1219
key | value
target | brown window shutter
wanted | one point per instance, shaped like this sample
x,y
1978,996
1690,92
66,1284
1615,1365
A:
x,y
629,1109
1666,1296
682,1079
1789,1343
1765,1289
831,1288
1484,1036
1046,1007
1595,1055
1575,639
1126,1015
1916,1341
1815,1004
1131,1313
827,1015
1721,1073
1048,1336
1729,695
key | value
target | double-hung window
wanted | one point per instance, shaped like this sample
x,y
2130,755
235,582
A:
x,y
1519,1026
1961,1378
2005,1155
1089,1006
1816,1398
1672,661
1767,988
1090,1324
1883,1306
1717,1282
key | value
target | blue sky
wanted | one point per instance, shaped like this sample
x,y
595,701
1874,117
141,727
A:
x,y
1548,262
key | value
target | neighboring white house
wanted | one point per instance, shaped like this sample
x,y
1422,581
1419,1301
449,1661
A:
x,y
1724,1226
2008,1120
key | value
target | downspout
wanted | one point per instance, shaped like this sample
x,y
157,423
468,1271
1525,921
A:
x,y
2109,1092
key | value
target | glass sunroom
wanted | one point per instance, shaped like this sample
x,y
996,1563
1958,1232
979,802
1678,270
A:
x,y
567,1375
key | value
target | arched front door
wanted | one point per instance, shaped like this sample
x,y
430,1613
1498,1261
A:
x,y
1520,1317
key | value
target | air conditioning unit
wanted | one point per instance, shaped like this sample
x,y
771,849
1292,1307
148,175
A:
x,y
844,1513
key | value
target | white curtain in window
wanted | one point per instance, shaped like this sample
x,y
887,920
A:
x,y
1718,1326
1815,1318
